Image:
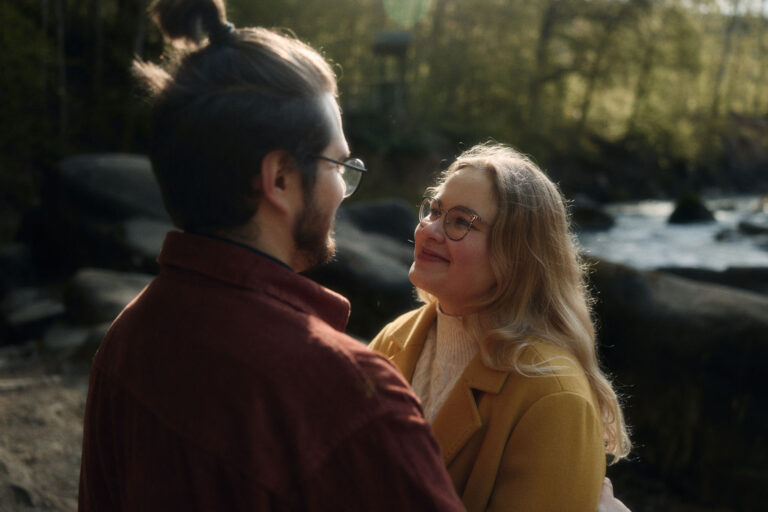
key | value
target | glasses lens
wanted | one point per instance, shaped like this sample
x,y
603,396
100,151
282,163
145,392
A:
x,y
430,210
426,205
457,223
351,175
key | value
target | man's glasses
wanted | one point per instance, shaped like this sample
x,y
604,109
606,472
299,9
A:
x,y
351,171
457,221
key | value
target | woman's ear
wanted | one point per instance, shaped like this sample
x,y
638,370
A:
x,y
279,182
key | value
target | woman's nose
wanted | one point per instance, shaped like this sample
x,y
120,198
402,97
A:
x,y
432,228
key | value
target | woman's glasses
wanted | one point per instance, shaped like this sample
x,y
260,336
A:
x,y
351,171
456,222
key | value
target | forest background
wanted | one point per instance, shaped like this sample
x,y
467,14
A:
x,y
617,99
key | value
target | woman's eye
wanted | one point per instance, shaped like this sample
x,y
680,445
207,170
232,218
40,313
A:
x,y
434,213
463,221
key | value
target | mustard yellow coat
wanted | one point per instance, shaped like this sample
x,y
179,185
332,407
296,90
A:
x,y
510,442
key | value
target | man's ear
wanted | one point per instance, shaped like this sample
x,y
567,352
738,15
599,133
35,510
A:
x,y
279,181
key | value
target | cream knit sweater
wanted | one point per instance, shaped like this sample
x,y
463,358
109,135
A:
x,y
447,350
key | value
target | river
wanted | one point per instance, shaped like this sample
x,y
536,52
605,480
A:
x,y
642,238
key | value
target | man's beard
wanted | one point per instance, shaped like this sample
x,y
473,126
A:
x,y
313,236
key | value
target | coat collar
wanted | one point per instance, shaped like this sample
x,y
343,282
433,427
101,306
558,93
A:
x,y
458,418
244,267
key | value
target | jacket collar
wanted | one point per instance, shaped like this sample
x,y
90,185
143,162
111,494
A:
x,y
458,418
246,268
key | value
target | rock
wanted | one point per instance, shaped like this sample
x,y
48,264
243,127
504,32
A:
x,y
726,235
40,443
93,212
380,261
15,482
61,338
15,356
588,215
96,295
121,185
753,279
393,218
755,224
690,208
66,342
142,240
26,312
690,356
16,267
371,270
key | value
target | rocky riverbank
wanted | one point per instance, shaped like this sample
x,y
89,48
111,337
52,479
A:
x,y
687,354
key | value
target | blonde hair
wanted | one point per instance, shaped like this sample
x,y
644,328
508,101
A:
x,y
542,296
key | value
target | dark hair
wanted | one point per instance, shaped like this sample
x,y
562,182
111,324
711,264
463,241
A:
x,y
221,104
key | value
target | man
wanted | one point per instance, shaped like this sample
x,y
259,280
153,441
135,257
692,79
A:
x,y
228,383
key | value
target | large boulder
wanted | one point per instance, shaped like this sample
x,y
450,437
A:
x,y
92,211
393,218
754,279
371,264
690,357
754,224
140,241
588,215
16,267
26,312
73,342
121,185
97,295
690,208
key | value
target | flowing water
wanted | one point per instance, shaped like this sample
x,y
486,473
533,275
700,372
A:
x,y
642,238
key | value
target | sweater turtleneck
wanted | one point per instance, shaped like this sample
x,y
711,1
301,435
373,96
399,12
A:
x,y
447,351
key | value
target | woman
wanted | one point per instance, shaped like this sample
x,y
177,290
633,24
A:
x,y
502,354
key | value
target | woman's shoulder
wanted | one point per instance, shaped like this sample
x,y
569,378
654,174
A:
x,y
399,331
546,369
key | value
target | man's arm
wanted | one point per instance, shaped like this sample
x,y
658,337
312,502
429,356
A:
x,y
391,463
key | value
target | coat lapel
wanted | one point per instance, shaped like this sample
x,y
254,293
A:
x,y
410,338
459,417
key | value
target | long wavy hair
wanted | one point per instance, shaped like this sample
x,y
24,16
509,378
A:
x,y
541,296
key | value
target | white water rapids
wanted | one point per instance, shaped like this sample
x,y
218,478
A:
x,y
642,238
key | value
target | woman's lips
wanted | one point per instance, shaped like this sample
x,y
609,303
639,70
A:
x,y
428,256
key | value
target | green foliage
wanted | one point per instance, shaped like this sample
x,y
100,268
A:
x,y
22,82
588,87
25,130
407,13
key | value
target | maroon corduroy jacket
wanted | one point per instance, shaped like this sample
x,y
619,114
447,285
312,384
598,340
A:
x,y
227,384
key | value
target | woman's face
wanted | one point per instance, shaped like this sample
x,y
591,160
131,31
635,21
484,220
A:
x,y
459,272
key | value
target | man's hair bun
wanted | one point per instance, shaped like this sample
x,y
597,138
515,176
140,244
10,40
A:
x,y
189,20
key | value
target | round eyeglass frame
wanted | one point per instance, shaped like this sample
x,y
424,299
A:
x,y
351,171
451,229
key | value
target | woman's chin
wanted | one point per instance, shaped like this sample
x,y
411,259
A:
x,y
418,279
413,276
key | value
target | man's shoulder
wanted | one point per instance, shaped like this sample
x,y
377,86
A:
x,y
286,376
341,357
